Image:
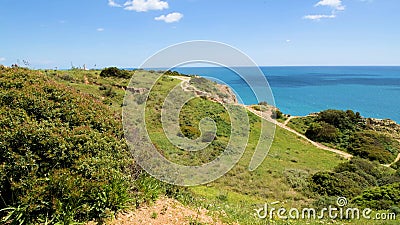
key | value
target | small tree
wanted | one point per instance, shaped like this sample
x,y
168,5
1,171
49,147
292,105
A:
x,y
264,103
322,131
115,72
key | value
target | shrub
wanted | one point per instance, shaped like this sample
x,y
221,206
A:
x,y
109,92
115,72
380,198
335,184
264,103
172,73
62,156
338,118
322,132
277,114
350,179
371,145
190,132
296,178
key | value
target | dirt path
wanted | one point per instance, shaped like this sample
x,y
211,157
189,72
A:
x,y
182,78
316,144
86,81
395,161
165,211
267,116
289,119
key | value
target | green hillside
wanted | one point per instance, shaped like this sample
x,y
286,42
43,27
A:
x,y
63,158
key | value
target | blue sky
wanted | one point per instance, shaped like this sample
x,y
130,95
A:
x,y
125,32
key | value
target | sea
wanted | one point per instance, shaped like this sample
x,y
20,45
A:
x,y
372,91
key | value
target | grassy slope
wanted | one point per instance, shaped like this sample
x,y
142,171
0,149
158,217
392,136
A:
x,y
300,124
239,192
376,145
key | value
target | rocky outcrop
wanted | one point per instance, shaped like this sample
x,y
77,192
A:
x,y
228,96
384,125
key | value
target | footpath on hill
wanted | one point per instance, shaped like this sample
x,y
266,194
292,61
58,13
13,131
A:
x,y
267,116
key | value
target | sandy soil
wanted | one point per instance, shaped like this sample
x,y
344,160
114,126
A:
x,y
165,211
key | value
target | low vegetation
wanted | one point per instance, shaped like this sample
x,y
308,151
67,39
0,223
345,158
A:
x,y
115,72
63,158
348,131
364,183
62,153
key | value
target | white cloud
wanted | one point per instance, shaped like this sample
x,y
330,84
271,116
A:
x,y
145,5
288,41
112,3
2,59
335,4
170,18
100,29
320,16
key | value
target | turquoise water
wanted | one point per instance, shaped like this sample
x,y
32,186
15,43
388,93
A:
x,y
372,91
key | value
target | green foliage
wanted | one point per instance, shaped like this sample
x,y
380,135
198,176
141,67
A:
x,y
277,114
148,189
346,130
260,108
374,146
189,118
154,215
322,132
351,179
301,124
334,184
115,72
340,119
297,178
62,156
385,197
396,166
109,92
173,73
190,132
264,103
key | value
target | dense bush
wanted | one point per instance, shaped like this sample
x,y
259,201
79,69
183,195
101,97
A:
x,y
396,166
277,114
374,146
335,184
340,119
115,72
385,197
62,156
322,132
347,131
367,182
173,73
297,178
